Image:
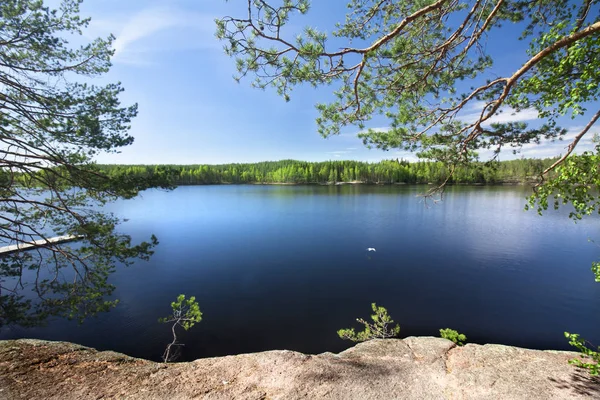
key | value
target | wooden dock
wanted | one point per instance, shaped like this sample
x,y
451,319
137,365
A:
x,y
38,243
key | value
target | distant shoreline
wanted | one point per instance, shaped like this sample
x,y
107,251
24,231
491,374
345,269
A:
x,y
359,183
334,173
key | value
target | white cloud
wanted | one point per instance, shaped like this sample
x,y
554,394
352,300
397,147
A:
x,y
347,135
338,152
345,151
168,28
528,114
545,149
504,115
548,148
473,113
354,134
141,25
587,139
476,105
406,155
381,129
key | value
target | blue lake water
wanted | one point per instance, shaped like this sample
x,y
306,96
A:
x,y
284,267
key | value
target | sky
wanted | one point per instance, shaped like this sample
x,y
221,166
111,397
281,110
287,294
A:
x,y
192,111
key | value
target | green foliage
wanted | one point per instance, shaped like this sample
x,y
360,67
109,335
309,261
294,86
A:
x,y
51,127
576,182
576,341
329,172
594,365
423,65
453,335
381,328
186,313
596,270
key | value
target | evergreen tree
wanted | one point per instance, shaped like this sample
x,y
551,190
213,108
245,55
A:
x,y
51,125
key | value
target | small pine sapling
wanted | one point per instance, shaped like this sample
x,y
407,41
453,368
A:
x,y
185,314
381,328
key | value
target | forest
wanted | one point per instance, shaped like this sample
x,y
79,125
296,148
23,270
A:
x,y
332,172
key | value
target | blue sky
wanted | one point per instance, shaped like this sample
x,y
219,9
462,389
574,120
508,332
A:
x,y
191,111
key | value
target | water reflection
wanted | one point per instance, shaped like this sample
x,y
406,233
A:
x,y
284,267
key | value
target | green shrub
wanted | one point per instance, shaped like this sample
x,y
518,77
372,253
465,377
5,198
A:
x,y
453,335
594,366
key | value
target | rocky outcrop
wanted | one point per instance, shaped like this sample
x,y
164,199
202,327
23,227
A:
x,y
412,368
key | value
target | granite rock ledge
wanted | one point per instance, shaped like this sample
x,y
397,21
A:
x,y
411,368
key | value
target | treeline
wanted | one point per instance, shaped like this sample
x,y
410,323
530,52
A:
x,y
331,172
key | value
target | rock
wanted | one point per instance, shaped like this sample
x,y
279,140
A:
x,y
411,368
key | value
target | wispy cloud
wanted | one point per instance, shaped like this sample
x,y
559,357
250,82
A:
x,y
545,149
504,115
169,28
141,25
406,155
347,150
347,135
354,134
559,147
473,113
339,153
548,148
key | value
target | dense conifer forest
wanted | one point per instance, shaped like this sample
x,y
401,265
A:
x,y
331,172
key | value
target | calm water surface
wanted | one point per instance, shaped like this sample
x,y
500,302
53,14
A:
x,y
284,267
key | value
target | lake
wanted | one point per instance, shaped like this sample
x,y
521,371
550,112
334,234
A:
x,y
285,267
